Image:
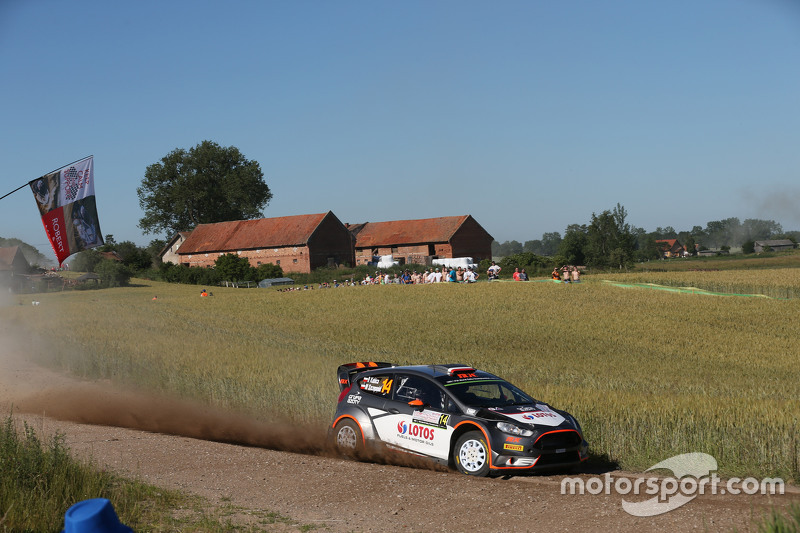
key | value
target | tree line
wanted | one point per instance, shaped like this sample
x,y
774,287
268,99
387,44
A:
x,y
610,241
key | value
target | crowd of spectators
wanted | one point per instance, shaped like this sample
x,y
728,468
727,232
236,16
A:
x,y
437,275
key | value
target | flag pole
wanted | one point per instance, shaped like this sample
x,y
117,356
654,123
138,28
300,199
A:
x,y
45,174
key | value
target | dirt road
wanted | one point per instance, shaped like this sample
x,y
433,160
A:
x,y
314,488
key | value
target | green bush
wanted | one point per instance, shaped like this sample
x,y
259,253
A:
x,y
231,267
267,271
113,273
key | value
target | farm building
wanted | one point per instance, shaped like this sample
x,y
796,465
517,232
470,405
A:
x,y
779,245
421,241
670,248
13,267
169,252
296,243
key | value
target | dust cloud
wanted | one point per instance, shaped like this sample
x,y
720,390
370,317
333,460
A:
x,y
98,404
26,387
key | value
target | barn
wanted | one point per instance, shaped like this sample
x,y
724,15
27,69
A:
x,y
13,267
297,243
419,241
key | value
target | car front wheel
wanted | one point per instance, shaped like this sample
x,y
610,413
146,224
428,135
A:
x,y
472,454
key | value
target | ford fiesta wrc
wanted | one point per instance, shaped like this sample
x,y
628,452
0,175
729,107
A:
x,y
455,415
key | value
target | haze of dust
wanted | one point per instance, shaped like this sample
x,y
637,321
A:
x,y
30,388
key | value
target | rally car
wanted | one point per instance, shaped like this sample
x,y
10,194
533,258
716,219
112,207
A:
x,y
455,415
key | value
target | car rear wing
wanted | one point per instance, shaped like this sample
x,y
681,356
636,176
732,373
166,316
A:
x,y
346,373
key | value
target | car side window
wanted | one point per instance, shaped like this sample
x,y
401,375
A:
x,y
377,385
416,388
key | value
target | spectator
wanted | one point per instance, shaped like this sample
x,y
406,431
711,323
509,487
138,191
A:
x,y
469,276
452,275
523,276
494,271
516,275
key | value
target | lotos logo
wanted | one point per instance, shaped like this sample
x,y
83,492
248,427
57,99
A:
x,y
538,414
415,430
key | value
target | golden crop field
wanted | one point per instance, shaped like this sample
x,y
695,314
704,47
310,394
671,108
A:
x,y
649,374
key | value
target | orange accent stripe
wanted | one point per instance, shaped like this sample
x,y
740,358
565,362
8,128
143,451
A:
x,y
488,442
363,439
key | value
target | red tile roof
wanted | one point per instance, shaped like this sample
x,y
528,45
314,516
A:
x,y
426,230
252,234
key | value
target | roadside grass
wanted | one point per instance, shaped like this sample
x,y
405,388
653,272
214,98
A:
x,y
649,374
39,481
776,521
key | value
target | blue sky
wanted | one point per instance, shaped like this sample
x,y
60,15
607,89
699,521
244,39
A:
x,y
528,115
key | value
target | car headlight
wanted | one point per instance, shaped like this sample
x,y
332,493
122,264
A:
x,y
513,430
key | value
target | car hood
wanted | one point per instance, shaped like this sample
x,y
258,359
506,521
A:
x,y
535,414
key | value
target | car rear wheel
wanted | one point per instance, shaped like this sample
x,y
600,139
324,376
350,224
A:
x,y
348,438
472,454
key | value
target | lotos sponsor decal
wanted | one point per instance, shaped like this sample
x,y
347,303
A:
x,y
414,430
515,447
539,414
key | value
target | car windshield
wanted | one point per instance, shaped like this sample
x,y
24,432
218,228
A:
x,y
495,393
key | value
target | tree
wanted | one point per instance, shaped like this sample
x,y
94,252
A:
x,y
85,261
231,267
208,183
113,273
610,241
572,246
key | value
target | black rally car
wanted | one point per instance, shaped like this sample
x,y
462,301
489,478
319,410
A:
x,y
453,414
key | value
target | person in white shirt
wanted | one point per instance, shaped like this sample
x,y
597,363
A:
x,y
469,276
494,271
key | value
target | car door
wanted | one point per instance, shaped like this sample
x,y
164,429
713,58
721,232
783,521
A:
x,y
417,420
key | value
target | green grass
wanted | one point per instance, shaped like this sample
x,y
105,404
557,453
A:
x,y
776,521
649,374
39,481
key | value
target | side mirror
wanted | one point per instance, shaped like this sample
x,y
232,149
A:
x,y
416,403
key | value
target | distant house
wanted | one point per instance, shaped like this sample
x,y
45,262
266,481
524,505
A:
x,y
169,253
779,245
296,243
670,248
420,241
13,267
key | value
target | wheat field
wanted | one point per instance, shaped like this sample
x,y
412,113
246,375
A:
x,y
649,374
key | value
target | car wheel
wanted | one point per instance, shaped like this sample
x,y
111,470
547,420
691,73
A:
x,y
472,454
347,437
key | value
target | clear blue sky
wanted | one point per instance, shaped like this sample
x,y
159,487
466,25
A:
x,y
528,115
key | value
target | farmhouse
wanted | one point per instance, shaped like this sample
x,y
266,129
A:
x,y
296,243
670,248
780,245
13,267
420,241
169,253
